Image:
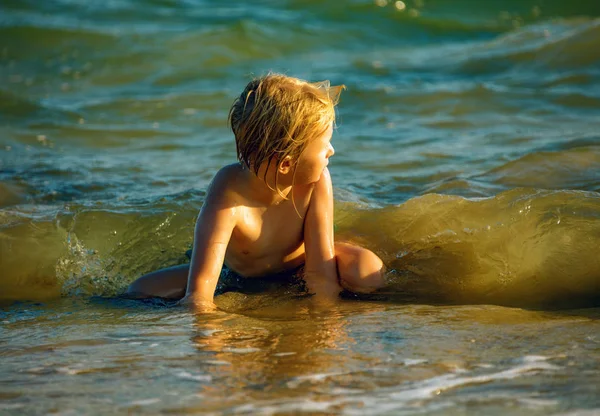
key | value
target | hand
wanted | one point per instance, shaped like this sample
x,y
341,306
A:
x,y
325,290
198,304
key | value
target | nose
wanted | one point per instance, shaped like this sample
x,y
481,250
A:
x,y
331,151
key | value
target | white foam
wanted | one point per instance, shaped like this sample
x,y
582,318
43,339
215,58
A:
x,y
534,358
312,378
395,399
436,385
11,406
536,403
414,361
274,407
196,377
209,332
144,402
246,350
217,362
77,369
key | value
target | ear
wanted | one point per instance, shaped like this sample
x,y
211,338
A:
x,y
285,165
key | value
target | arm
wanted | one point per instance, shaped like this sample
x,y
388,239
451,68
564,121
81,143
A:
x,y
211,237
321,268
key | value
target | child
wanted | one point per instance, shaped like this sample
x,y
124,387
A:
x,y
271,214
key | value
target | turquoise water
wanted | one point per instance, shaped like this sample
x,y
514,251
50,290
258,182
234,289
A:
x,y
467,157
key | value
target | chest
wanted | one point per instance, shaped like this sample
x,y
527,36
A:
x,y
275,228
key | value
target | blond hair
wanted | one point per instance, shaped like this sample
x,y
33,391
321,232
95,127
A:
x,y
276,116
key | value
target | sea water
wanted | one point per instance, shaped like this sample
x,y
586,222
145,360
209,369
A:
x,y
467,157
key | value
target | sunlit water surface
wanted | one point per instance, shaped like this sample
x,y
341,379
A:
x,y
261,356
467,157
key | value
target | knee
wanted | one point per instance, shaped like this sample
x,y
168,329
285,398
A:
x,y
360,270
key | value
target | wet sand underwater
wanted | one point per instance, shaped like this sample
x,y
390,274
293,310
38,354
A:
x,y
467,157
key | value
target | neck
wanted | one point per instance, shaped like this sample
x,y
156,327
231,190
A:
x,y
266,188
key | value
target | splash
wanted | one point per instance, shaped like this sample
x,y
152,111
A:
x,y
524,247
84,252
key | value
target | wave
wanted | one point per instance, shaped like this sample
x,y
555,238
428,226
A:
x,y
567,169
543,54
531,248
30,38
523,247
554,45
15,107
574,167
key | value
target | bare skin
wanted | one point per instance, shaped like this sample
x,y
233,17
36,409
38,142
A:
x,y
260,225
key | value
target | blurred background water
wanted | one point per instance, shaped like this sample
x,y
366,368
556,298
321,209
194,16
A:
x,y
467,157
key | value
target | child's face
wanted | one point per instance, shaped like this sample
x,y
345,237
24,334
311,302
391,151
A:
x,y
315,158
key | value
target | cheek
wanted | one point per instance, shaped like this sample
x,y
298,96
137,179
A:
x,y
310,170
319,162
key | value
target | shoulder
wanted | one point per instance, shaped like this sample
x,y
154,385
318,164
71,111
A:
x,y
324,183
227,180
223,189
322,191
227,175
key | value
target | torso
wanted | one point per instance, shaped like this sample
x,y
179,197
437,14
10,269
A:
x,y
267,239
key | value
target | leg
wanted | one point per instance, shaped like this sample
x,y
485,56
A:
x,y
360,270
164,283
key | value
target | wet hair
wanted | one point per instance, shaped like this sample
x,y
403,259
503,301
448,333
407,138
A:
x,y
277,116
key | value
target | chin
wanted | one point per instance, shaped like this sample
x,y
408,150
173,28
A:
x,y
318,177
308,179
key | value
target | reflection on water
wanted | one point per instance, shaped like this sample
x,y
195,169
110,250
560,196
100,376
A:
x,y
291,345
295,357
